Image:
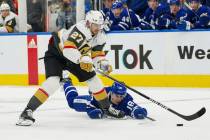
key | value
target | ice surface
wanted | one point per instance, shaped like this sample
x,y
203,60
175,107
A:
x,y
55,121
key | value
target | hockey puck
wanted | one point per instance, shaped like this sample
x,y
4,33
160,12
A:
x,y
179,124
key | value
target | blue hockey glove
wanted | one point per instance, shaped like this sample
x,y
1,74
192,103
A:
x,y
204,20
139,113
184,25
163,22
95,114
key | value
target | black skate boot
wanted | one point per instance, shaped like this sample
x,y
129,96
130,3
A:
x,y
26,118
65,78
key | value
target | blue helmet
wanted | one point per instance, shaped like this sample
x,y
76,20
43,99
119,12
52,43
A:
x,y
117,4
174,2
119,89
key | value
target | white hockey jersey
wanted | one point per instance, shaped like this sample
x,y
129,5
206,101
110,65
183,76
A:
x,y
9,23
78,40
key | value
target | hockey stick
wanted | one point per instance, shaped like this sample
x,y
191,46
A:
x,y
188,118
149,118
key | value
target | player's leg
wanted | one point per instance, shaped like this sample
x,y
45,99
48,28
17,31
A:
x,y
70,92
53,68
96,87
79,103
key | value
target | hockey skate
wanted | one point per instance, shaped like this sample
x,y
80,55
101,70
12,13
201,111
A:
x,y
26,118
65,77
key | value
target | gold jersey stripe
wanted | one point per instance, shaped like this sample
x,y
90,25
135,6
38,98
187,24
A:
x,y
69,43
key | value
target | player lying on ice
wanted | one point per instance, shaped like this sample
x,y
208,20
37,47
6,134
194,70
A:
x,y
118,97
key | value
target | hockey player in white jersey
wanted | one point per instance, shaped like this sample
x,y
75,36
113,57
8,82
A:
x,y
76,50
8,19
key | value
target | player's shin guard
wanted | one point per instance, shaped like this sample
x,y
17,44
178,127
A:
x,y
26,118
38,99
97,89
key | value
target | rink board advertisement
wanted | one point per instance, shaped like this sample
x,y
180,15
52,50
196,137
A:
x,y
160,53
175,59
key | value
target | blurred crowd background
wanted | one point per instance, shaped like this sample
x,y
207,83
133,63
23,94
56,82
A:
x,y
52,15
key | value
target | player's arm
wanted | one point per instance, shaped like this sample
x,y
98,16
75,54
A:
x,y
204,21
71,46
183,20
120,26
134,110
98,55
77,50
9,26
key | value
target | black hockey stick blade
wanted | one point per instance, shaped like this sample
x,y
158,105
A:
x,y
151,119
194,116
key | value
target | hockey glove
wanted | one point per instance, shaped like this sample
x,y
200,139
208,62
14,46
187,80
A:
x,y
184,25
107,25
204,20
86,63
104,66
139,113
162,22
95,114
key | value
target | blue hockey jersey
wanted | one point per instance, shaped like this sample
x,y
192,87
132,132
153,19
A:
x,y
171,21
200,18
126,21
127,105
153,16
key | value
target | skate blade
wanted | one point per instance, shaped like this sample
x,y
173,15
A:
x,y
22,122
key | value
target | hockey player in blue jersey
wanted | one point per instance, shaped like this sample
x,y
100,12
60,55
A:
x,y
199,15
120,18
155,12
118,97
140,23
107,6
149,13
177,18
123,18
